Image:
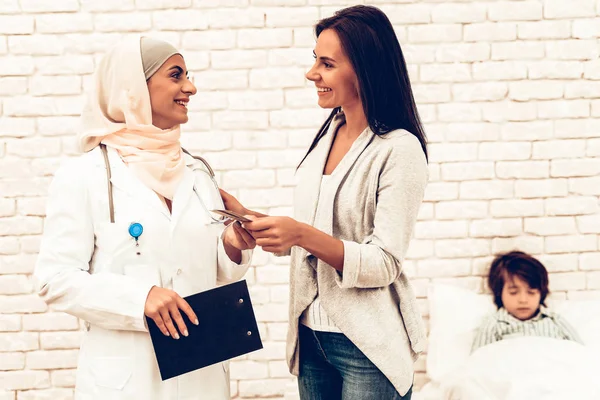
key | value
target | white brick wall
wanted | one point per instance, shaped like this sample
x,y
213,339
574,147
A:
x,y
508,90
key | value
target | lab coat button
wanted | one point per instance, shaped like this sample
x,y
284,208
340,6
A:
x,y
179,271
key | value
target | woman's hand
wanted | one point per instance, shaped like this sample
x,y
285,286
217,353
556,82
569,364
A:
x,y
163,305
275,234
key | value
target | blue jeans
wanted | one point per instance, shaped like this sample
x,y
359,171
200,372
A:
x,y
333,368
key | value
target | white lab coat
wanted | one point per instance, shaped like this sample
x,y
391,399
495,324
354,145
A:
x,y
89,267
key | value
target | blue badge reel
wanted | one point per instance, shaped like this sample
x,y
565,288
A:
x,y
135,231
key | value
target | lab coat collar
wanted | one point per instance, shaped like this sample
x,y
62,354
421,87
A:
x,y
123,179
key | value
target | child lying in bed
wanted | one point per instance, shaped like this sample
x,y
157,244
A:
x,y
519,283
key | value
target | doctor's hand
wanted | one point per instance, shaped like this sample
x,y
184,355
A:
x,y
237,237
163,305
275,234
233,204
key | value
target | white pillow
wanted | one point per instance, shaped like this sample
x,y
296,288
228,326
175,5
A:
x,y
456,313
454,316
584,317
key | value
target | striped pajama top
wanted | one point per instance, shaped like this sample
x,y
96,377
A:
x,y
502,325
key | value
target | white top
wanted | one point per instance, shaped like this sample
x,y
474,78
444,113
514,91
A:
x,y
315,317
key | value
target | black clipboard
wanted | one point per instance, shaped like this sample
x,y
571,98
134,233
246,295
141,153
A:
x,y
227,329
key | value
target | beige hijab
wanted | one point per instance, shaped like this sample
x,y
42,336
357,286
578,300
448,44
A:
x,y
118,113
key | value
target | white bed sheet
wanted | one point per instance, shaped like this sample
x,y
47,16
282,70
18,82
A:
x,y
526,368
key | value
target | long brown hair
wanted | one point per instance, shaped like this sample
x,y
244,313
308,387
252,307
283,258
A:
x,y
368,39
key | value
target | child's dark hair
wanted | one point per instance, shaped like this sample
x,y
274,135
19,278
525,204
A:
x,y
519,264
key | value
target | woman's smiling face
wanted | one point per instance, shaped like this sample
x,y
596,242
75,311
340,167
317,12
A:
x,y
332,73
170,91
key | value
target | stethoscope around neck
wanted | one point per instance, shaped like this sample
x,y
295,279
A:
x,y
209,171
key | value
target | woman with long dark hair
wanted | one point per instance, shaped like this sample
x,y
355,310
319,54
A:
x,y
354,327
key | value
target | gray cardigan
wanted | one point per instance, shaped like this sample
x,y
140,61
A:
x,y
376,192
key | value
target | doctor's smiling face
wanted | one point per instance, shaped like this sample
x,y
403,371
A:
x,y
170,91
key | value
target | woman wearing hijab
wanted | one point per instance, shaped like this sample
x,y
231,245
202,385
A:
x,y
113,258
